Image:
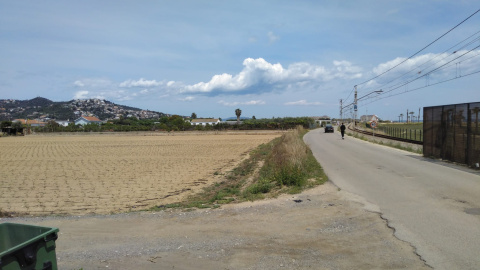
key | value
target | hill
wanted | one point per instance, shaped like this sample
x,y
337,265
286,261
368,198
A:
x,y
42,108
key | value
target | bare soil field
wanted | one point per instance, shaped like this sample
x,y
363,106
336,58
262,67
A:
x,y
109,173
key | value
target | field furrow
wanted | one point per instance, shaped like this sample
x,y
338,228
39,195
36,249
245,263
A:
x,y
101,173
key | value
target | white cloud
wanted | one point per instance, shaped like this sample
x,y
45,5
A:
x,y
442,63
81,95
254,102
93,83
272,38
189,98
303,102
79,84
258,73
236,103
118,95
140,83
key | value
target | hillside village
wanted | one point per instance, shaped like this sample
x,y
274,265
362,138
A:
x,y
42,110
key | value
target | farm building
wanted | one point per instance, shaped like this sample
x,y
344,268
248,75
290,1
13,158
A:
x,y
204,122
84,120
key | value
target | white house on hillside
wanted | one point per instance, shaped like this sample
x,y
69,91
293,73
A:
x,y
87,120
204,122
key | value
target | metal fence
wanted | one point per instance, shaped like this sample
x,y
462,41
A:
x,y
452,132
403,133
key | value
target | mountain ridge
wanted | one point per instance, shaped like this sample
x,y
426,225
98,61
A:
x,y
43,108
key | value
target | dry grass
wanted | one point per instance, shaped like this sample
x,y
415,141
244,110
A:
x,y
112,173
291,150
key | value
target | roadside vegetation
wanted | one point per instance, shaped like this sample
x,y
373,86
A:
x,y
172,123
285,165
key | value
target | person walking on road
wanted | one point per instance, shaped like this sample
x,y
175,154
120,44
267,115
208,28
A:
x,y
342,130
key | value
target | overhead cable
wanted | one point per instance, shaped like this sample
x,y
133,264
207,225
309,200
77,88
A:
x,y
421,49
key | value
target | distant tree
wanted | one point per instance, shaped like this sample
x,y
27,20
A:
x,y
238,112
253,117
176,122
401,115
6,124
194,116
17,125
52,126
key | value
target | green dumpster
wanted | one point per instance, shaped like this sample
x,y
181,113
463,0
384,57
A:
x,y
27,247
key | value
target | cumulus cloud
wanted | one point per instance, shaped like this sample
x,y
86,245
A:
x,y
258,73
236,103
303,102
126,90
119,95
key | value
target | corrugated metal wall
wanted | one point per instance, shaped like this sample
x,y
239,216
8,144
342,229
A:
x,y
452,132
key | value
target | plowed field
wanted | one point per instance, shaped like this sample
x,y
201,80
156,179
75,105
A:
x,y
99,173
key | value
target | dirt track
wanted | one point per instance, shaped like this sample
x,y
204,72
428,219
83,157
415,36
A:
x,y
327,229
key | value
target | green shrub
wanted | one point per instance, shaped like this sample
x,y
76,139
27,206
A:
x,y
262,186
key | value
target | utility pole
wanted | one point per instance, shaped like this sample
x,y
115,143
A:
x,y
341,110
418,118
407,116
355,108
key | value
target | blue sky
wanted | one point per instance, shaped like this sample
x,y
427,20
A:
x,y
268,58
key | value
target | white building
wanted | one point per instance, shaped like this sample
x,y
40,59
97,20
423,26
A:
x,y
87,120
204,122
62,122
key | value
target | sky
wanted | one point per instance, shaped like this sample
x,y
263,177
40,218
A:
x,y
268,58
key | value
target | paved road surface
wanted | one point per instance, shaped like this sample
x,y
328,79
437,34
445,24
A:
x,y
432,205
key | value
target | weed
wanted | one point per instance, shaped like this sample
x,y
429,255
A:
x,y
262,186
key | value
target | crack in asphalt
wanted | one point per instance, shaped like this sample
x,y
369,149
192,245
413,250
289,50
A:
x,y
387,223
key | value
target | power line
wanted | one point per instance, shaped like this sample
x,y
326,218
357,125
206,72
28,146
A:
x,y
430,72
421,49
418,88
438,55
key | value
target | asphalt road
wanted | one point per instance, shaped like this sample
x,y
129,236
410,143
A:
x,y
433,205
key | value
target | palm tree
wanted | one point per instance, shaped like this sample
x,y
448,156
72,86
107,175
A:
x,y
401,115
411,117
238,112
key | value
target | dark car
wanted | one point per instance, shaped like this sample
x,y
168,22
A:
x,y
328,128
